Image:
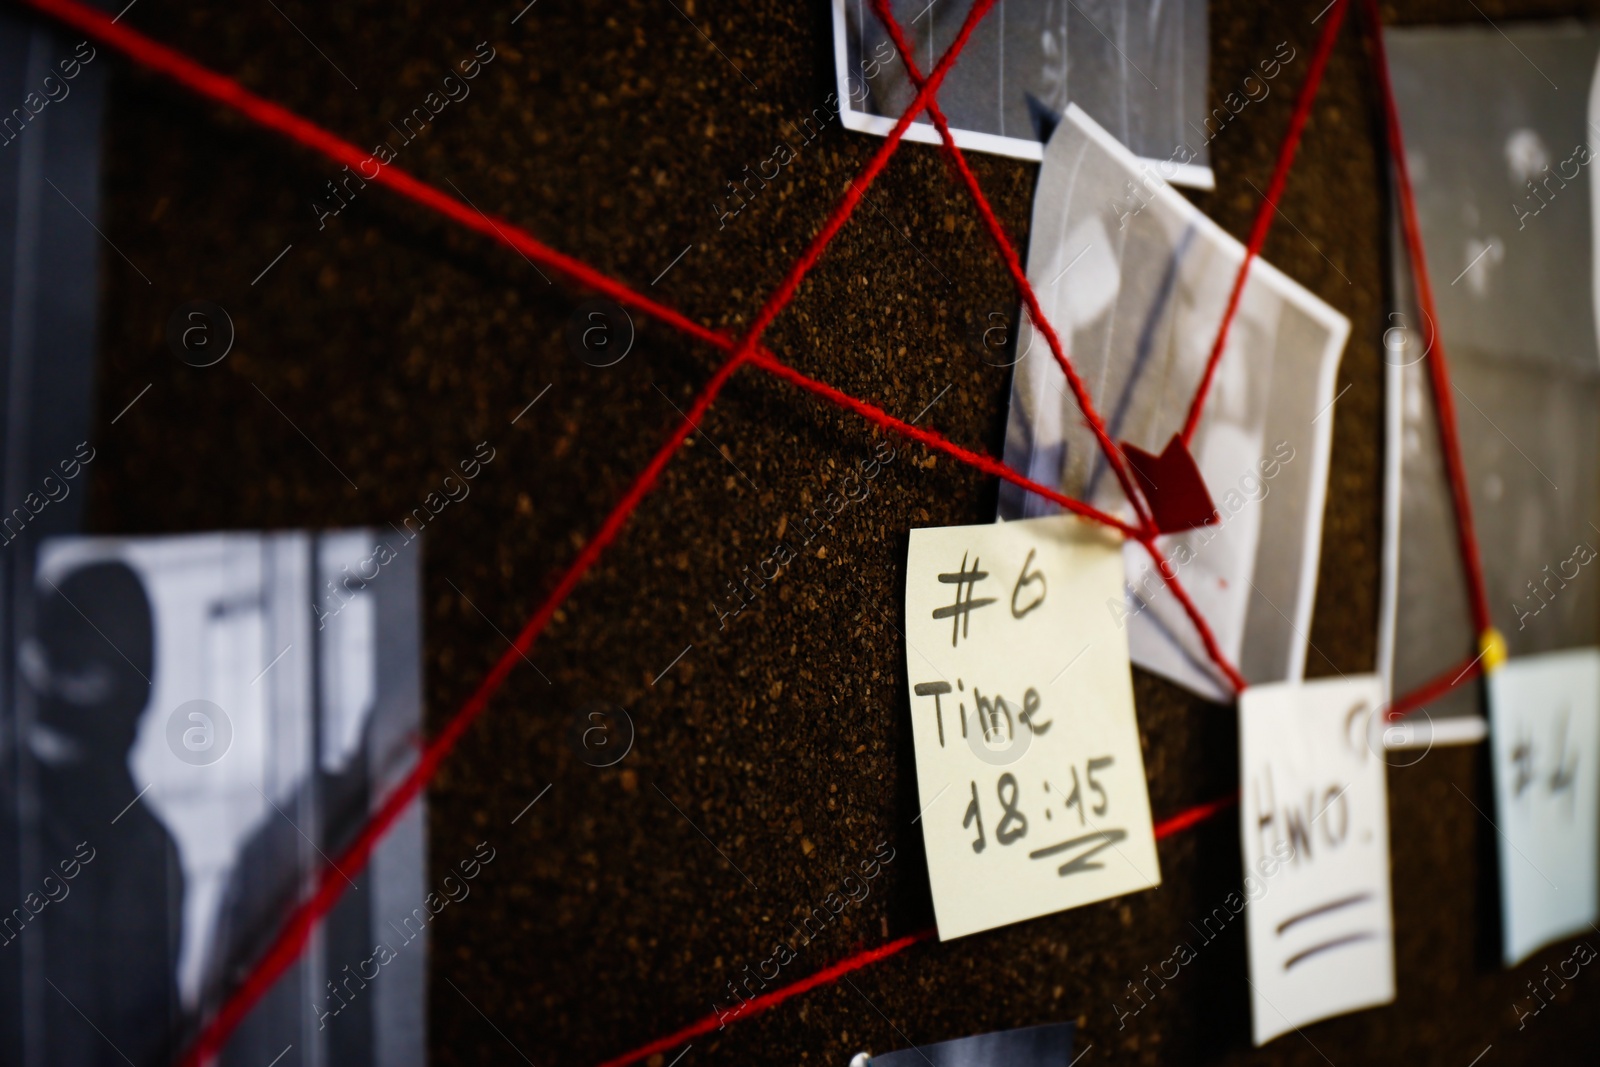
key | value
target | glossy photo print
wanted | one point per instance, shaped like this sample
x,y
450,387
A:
x,y
204,718
1135,279
1500,161
1138,68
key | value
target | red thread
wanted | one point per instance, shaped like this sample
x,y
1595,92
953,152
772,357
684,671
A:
x,y
1019,277
767,1001
785,292
1080,392
1438,373
1207,638
292,939
297,930
1200,813
223,90
226,91
332,881
1432,690
933,440
1175,824
1268,210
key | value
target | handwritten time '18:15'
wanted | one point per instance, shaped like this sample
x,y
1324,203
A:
x,y
1013,822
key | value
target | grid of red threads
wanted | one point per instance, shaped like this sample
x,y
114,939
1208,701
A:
x,y
748,350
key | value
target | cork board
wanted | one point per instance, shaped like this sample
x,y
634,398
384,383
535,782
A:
x,y
392,344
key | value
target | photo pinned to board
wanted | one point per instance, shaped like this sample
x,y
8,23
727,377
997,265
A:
x,y
1499,165
242,698
1136,285
1139,66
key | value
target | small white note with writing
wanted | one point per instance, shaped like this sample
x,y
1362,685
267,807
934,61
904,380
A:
x,y
1314,819
1543,715
1031,779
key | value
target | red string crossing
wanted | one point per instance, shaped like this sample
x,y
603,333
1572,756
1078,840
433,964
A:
x,y
332,880
1008,253
1145,535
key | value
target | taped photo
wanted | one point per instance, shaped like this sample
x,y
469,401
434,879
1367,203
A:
x,y
1134,279
1139,68
1500,166
203,720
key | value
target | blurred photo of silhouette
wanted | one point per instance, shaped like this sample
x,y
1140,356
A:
x,y
110,943
208,718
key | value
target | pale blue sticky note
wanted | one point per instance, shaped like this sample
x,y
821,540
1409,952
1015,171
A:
x,y
1544,732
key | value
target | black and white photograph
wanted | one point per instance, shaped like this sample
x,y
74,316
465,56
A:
x,y
204,718
1135,281
859,533
1137,67
1499,134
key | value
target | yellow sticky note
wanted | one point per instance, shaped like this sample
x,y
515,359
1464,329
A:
x,y
1030,777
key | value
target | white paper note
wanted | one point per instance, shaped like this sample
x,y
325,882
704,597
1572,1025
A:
x,y
1314,820
1031,779
1543,714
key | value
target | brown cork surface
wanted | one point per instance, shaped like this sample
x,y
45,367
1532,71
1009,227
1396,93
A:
x,y
776,751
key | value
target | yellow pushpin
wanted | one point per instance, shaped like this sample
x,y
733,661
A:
x,y
1491,650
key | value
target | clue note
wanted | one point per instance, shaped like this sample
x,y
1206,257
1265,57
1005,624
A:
x,y
1314,822
1029,770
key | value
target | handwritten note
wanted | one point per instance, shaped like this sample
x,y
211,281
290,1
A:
x,y
1028,764
1314,820
1543,732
